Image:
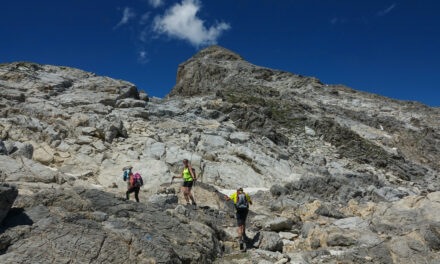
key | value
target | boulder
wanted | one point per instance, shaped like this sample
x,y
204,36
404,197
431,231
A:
x,y
84,140
279,224
163,200
3,150
143,96
43,156
340,240
8,193
270,241
15,149
278,190
329,210
130,102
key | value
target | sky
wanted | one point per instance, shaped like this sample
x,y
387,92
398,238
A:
x,y
385,47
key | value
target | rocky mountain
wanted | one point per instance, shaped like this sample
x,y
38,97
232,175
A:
x,y
337,175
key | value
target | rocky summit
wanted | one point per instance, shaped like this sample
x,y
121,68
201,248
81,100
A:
x,y
336,175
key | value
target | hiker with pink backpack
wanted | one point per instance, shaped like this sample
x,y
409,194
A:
x,y
136,182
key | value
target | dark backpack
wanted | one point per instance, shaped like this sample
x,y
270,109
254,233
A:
x,y
242,202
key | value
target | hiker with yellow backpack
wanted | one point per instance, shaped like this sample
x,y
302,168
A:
x,y
241,202
189,178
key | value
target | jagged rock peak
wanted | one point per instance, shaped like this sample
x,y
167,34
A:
x,y
218,69
215,52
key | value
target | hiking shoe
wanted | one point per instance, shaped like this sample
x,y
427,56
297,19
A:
x,y
243,249
241,245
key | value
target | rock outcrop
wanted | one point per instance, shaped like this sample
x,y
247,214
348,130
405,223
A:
x,y
336,175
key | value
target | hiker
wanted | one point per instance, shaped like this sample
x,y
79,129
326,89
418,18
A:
x,y
125,176
136,182
189,178
241,202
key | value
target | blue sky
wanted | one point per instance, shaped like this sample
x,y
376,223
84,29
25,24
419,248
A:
x,y
385,47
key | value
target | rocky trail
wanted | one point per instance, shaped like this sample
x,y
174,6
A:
x,y
336,175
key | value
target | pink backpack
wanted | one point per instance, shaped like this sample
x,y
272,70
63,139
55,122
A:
x,y
137,180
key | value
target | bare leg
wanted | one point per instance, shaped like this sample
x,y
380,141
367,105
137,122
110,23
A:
x,y
240,232
190,195
185,193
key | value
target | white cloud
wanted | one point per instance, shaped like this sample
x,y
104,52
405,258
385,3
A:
x,y
180,21
142,58
127,14
155,3
386,10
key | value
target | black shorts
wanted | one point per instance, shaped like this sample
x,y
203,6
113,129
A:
x,y
241,216
188,184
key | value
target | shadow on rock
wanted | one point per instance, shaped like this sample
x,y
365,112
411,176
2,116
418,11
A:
x,y
15,217
253,243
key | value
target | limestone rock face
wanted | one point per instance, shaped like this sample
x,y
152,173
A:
x,y
107,228
335,175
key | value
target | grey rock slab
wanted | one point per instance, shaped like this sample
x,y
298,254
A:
x,y
287,235
107,230
351,223
155,150
239,137
82,140
279,224
390,194
306,227
22,169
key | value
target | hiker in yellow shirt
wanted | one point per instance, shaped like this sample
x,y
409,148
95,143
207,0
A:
x,y
189,177
241,201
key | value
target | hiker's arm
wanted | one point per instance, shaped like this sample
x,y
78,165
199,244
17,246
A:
x,y
178,177
249,199
192,173
227,198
